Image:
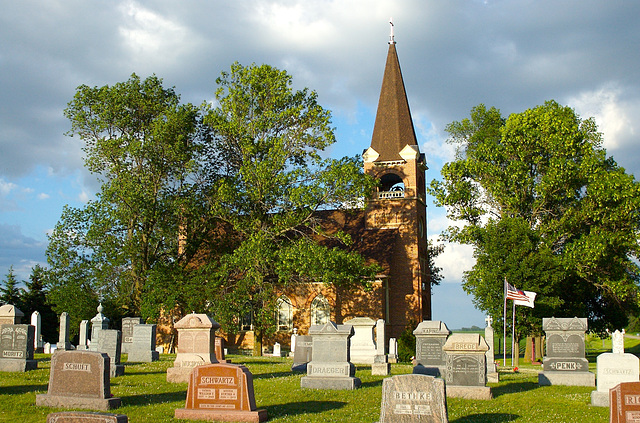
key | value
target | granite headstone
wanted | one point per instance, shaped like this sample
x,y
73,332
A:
x,y
128,323
413,398
492,369
10,315
624,400
86,417
83,343
431,336
613,369
302,355
143,347
79,379
98,323
466,369
36,322
196,346
221,356
16,348
109,343
380,366
362,349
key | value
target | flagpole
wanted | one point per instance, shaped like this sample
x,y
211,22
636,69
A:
x,y
504,323
513,333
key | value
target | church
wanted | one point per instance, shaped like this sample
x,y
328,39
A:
x,y
391,231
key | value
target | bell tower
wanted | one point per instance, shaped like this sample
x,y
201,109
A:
x,y
398,204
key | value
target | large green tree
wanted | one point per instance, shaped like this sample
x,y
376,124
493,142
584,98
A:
x,y
544,207
267,140
143,146
10,293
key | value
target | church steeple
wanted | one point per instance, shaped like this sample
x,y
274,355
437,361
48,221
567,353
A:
x,y
393,129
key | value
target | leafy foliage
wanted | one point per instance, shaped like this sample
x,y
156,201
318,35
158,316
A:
x,y
545,208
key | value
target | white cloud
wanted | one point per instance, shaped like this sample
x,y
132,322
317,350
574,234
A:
x,y
43,196
84,196
6,187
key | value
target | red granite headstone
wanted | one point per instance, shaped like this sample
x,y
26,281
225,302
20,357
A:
x,y
624,403
221,392
220,356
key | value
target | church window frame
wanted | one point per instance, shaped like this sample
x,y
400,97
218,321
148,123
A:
x,y
320,310
284,314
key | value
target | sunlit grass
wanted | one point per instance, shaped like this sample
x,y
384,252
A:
x,y
147,397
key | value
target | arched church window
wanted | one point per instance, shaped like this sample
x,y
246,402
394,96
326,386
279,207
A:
x,y
320,310
246,322
391,186
284,316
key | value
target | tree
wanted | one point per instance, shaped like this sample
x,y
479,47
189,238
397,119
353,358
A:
x,y
545,208
143,146
10,293
34,298
266,144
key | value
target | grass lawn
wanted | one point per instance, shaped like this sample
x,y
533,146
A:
x,y
147,397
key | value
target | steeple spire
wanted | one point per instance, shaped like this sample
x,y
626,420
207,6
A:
x,y
393,129
391,39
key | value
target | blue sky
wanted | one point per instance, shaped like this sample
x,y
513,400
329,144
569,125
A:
x,y
511,54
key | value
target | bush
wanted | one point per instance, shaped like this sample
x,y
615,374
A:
x,y
407,344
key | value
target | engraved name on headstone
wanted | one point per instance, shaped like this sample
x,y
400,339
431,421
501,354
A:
x,y
16,348
413,398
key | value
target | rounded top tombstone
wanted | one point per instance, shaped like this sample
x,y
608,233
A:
x,y
11,312
193,321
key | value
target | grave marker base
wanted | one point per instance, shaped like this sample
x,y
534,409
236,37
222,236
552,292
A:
x,y
143,356
8,365
224,416
469,392
567,379
380,369
599,399
46,400
86,417
335,383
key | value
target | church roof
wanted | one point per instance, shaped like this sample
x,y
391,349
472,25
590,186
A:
x,y
393,128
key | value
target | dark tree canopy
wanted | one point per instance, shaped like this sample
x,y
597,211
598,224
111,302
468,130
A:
x,y
543,206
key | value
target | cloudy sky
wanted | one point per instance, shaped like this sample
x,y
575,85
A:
x,y
512,54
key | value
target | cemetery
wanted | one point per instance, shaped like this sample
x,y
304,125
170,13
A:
x,y
72,383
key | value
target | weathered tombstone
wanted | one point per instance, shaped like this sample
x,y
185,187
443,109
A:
x,y
329,367
380,366
413,398
625,403
196,346
36,322
613,369
109,343
47,348
143,347
84,336
220,354
16,348
492,370
393,350
277,350
302,356
294,335
466,368
98,323
128,323
565,362
10,315
86,417
79,379
63,339
617,342
431,336
221,392
362,348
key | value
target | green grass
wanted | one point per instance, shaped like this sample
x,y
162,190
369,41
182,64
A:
x,y
147,397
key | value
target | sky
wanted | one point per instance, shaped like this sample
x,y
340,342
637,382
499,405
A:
x,y
454,55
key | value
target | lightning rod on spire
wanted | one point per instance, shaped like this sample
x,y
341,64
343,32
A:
x,y
391,39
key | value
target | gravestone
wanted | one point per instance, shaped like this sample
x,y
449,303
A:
x,y
63,340
329,367
492,369
565,362
466,368
380,366
302,356
128,323
84,336
362,349
143,347
16,348
277,350
86,417
109,343
47,348
221,356
98,323
79,379
221,392
613,369
625,403
10,315
413,398
617,342
294,335
431,336
36,322
393,350
196,346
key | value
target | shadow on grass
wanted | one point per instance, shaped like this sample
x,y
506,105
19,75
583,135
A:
x,y
22,389
147,399
487,418
272,375
303,407
371,383
512,388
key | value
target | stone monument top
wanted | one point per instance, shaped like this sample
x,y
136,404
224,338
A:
x,y
471,342
617,340
10,314
578,324
194,320
432,327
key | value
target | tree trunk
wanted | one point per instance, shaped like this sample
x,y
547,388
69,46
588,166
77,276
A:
x,y
257,343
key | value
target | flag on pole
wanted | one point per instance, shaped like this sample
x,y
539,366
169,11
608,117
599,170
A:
x,y
531,297
513,293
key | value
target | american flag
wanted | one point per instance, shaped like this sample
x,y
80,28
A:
x,y
514,293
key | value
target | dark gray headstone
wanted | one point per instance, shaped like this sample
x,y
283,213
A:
x,y
109,343
466,370
16,348
431,336
413,398
143,347
79,379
